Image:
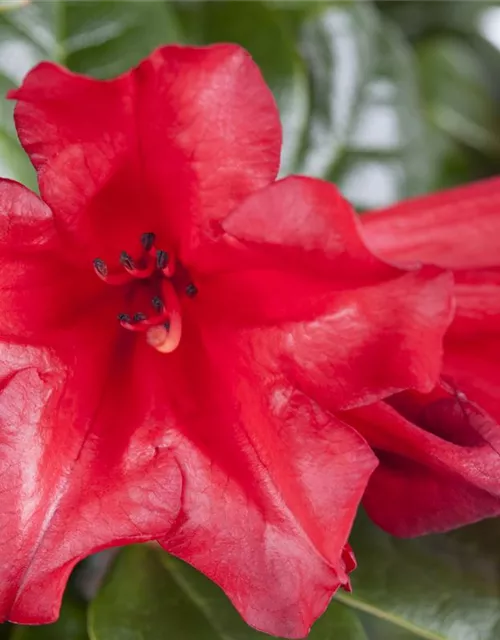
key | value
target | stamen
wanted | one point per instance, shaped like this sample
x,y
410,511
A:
x,y
132,324
165,263
191,290
100,267
163,326
157,303
161,259
126,261
148,240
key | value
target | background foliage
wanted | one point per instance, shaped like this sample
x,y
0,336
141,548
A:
x,y
387,99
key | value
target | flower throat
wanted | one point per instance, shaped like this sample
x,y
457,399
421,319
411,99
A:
x,y
168,279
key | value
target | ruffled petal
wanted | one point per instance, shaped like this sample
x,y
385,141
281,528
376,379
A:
x,y
42,290
472,346
439,462
345,327
272,487
223,462
171,145
77,475
456,229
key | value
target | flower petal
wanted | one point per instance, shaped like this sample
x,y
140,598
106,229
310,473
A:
x,y
41,290
456,229
72,481
224,463
260,516
346,327
439,460
176,142
472,346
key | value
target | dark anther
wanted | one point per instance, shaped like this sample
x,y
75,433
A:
x,y
157,303
161,259
148,240
100,267
139,317
167,325
191,290
126,260
124,317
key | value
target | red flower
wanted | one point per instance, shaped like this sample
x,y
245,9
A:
x,y
159,204
439,453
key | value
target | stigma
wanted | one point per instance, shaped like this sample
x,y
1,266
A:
x,y
166,280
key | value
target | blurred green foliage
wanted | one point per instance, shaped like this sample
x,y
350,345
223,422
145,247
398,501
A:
x,y
387,99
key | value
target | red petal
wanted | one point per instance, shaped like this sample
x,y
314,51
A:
x,y
271,490
75,478
129,436
472,347
457,229
350,329
181,139
371,342
41,290
474,368
439,460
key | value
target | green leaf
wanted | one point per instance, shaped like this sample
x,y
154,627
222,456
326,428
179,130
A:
x,y
9,5
149,594
5,629
97,38
457,95
104,39
366,131
259,28
434,587
338,45
386,156
140,599
72,625
417,18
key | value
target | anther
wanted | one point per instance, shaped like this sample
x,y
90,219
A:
x,y
101,267
148,240
157,303
191,290
161,259
127,261
139,317
124,317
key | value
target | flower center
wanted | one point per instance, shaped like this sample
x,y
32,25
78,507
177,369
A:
x,y
165,279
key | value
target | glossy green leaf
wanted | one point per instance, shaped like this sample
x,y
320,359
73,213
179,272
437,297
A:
x,y
72,625
149,594
139,599
338,44
260,28
457,96
418,19
386,157
434,587
97,38
366,131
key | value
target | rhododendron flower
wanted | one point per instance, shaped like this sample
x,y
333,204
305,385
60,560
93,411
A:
x,y
439,453
170,315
